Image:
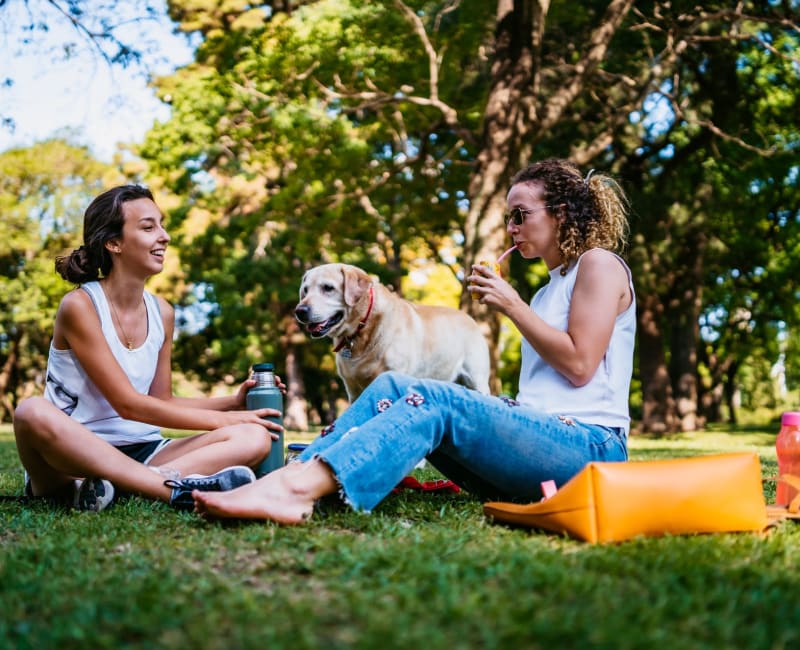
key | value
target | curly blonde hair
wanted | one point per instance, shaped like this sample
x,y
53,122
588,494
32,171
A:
x,y
592,210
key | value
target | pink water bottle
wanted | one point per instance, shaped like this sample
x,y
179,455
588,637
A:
x,y
787,447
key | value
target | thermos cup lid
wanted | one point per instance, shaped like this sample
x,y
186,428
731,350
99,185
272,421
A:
x,y
263,367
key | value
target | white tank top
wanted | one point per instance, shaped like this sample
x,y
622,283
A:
x,y
604,399
71,390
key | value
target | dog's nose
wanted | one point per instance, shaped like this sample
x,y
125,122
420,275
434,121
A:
x,y
301,313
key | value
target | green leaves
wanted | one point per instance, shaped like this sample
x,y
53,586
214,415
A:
x,y
298,146
44,190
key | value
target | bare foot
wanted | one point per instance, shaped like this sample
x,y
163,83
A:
x,y
249,502
285,496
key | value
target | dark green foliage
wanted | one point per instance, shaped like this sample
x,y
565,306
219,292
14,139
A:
x,y
345,130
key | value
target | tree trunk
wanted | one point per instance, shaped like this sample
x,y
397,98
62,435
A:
x,y
683,369
296,408
9,391
505,127
721,390
731,391
711,403
657,400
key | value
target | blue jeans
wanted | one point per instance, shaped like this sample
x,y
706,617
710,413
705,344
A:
x,y
490,446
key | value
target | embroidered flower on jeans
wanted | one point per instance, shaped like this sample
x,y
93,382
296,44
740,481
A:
x,y
509,401
415,399
383,404
327,430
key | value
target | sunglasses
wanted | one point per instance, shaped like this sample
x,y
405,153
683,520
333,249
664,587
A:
x,y
517,215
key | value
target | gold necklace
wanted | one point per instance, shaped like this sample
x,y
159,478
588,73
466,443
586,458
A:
x,y
128,340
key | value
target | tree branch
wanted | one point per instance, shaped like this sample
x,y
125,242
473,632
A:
x,y
598,46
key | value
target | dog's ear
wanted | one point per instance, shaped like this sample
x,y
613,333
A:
x,y
356,283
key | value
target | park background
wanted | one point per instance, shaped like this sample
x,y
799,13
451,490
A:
x,y
384,133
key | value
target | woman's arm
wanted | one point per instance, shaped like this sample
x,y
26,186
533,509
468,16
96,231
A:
x,y
78,327
162,382
601,293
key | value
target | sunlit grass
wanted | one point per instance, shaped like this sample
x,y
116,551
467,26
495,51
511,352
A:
x,y
421,571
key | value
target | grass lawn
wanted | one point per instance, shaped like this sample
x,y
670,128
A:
x,y
423,571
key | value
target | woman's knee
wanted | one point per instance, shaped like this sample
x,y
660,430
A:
x,y
31,415
436,390
390,383
253,440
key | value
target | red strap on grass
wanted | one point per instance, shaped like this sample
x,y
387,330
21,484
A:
x,y
441,485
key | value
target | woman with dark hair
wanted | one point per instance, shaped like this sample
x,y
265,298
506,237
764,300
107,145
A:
x,y
109,385
572,404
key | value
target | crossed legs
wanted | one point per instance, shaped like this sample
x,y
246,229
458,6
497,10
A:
x,y
55,449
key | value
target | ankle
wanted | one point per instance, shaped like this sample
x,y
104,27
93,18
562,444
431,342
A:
x,y
310,480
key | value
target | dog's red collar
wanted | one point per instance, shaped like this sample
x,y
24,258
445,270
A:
x,y
347,341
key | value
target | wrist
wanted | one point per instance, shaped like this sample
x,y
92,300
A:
x,y
230,403
519,310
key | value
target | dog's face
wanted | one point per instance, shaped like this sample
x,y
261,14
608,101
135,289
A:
x,y
327,296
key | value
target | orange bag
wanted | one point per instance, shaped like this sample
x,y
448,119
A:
x,y
611,502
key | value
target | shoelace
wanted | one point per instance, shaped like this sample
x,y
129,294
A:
x,y
196,483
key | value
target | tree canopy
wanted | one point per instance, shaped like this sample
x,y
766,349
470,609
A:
x,y
43,193
384,134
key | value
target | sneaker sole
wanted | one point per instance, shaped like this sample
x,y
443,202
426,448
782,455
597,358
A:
x,y
95,495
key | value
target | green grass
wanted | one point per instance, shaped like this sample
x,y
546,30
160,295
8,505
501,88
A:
x,y
423,571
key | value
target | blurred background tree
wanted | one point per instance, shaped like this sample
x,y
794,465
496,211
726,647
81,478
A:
x,y
385,133
43,192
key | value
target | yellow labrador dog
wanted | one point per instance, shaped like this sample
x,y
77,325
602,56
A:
x,y
375,330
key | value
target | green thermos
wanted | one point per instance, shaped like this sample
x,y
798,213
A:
x,y
266,394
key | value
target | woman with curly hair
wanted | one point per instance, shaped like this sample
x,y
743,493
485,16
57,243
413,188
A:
x,y
572,404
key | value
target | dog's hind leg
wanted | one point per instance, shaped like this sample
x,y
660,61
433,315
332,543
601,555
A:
x,y
475,367
465,378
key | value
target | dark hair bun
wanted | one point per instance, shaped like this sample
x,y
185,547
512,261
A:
x,y
77,267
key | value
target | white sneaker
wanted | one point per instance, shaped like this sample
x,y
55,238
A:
x,y
94,495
